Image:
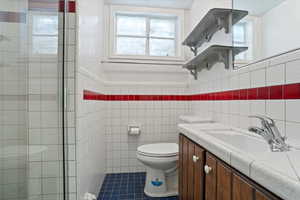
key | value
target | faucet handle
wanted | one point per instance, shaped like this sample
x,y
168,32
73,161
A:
x,y
264,119
284,138
269,119
257,130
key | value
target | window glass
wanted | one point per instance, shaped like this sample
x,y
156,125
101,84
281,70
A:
x,y
163,28
162,47
131,46
44,34
131,25
239,33
240,38
46,25
146,35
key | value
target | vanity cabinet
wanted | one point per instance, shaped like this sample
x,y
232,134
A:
x,y
191,163
202,176
217,179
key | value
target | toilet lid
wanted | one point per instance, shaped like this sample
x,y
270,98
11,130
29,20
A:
x,y
159,149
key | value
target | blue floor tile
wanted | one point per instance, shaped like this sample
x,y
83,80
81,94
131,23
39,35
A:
x,y
126,186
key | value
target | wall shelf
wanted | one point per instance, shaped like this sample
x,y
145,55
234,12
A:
x,y
214,20
212,55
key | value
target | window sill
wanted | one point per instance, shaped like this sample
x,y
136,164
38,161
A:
x,y
145,60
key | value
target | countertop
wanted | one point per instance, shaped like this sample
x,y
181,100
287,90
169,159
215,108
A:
x,y
278,172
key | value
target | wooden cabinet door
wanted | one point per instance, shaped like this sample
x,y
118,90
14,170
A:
x,y
211,178
260,196
265,195
191,174
217,182
190,166
241,190
199,173
224,176
180,167
185,145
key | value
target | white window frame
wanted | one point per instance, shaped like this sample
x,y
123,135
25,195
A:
x,y
155,12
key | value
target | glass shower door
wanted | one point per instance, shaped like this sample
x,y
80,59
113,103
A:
x,y
31,100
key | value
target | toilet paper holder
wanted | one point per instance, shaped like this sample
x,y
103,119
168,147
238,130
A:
x,y
134,130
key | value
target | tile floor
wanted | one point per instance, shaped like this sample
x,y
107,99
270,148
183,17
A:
x,y
126,186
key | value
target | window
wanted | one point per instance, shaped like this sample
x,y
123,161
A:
x,y
145,35
44,34
240,39
243,36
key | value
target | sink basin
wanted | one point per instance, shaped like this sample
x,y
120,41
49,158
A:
x,y
241,141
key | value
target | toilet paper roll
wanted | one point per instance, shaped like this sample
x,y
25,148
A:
x,y
134,131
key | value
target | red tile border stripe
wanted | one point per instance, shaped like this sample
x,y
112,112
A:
x,y
277,92
72,7
51,6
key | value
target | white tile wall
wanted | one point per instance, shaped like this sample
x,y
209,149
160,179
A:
x,y
90,118
90,137
276,71
157,121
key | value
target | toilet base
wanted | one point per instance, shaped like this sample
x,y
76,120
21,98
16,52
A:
x,y
167,194
161,184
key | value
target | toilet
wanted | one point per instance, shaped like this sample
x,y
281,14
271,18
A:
x,y
160,160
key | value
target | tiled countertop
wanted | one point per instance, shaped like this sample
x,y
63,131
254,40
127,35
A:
x,y
278,172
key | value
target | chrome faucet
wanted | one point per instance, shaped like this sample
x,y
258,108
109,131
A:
x,y
270,133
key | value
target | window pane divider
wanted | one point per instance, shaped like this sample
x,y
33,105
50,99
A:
x,y
148,34
44,35
162,38
132,36
150,37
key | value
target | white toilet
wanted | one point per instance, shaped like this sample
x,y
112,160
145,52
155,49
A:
x,y
161,162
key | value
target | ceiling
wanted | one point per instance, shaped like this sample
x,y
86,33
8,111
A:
x,y
256,7
154,3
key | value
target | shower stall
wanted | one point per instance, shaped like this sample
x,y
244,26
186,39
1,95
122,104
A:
x,y
33,106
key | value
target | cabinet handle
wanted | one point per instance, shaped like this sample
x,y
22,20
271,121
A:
x,y
195,158
207,169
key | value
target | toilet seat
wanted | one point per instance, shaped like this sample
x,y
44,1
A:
x,y
159,150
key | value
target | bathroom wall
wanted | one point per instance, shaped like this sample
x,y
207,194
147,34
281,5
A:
x,y
275,93
90,118
197,11
270,88
157,120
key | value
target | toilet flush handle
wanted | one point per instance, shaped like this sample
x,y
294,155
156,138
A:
x,y
195,158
